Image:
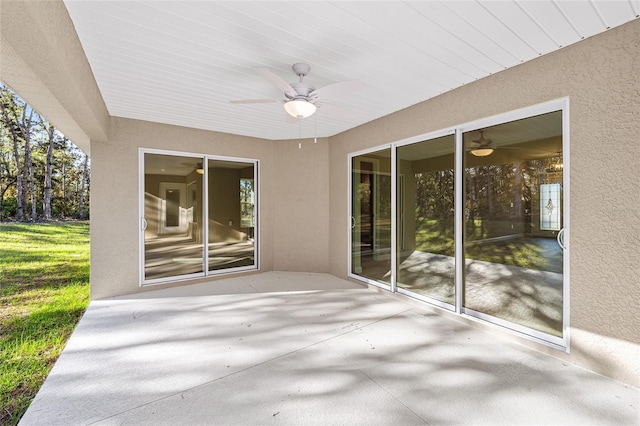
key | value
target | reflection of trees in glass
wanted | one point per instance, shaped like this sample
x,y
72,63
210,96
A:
x,y
383,213
384,196
247,203
435,211
434,194
498,197
498,202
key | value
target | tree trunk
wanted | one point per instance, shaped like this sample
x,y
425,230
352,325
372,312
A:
x,y
19,182
32,189
47,175
83,185
27,175
9,107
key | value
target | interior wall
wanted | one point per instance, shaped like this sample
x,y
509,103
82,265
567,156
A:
x,y
224,197
600,77
152,182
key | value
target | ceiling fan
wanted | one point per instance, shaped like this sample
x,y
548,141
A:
x,y
481,147
301,99
197,167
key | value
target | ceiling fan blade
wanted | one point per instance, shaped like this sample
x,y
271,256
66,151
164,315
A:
x,y
334,111
255,101
335,90
277,81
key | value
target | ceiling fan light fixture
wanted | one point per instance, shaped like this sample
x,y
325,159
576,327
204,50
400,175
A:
x,y
299,108
482,152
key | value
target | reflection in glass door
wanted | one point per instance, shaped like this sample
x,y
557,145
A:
x,y
199,216
426,199
478,220
371,216
513,214
231,214
173,232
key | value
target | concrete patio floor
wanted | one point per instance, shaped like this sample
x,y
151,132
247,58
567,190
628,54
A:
x,y
307,349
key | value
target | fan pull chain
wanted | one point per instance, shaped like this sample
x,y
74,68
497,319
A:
x,y
299,134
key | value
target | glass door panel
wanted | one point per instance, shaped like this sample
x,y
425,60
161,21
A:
x,y
173,216
232,219
426,200
512,217
371,216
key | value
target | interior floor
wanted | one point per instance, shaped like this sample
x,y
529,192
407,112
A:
x,y
180,255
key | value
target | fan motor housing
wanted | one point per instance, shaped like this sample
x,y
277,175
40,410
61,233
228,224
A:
x,y
302,89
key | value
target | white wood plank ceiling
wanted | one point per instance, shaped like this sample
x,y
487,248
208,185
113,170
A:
x,y
181,62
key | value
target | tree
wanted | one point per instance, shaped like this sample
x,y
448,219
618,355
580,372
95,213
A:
x,y
85,171
48,172
18,119
39,167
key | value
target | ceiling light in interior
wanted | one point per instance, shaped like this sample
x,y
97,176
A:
x,y
300,108
482,152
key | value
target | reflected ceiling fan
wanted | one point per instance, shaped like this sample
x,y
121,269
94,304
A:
x,y
301,99
481,147
197,167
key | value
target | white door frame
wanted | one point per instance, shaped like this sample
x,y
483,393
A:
x,y
183,225
205,202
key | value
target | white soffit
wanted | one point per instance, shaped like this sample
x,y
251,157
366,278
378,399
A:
x,y
181,62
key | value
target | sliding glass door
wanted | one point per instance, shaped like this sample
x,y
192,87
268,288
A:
x,y
371,216
199,215
513,213
173,244
479,214
231,214
425,194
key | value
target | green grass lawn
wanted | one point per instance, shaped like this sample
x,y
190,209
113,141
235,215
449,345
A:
x,y
44,290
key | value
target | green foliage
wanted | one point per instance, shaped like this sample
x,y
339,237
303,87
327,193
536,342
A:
x,y
9,208
19,141
43,293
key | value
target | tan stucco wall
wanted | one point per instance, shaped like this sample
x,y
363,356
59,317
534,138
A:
x,y
293,199
601,77
114,194
301,206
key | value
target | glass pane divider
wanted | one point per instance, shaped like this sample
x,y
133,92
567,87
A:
x,y
459,221
205,213
394,218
